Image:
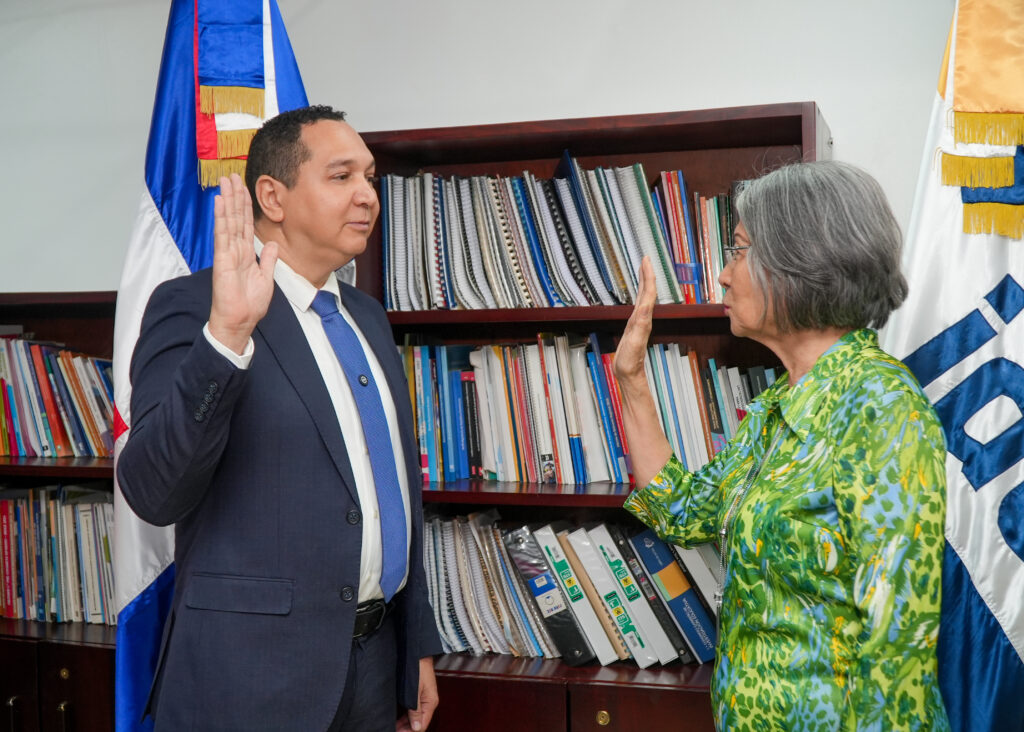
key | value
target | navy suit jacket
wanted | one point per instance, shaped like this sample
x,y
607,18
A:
x,y
251,468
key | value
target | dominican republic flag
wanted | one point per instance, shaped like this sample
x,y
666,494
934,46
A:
x,y
961,331
227,66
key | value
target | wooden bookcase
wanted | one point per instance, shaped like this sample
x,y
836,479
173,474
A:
x,y
58,677
61,677
713,148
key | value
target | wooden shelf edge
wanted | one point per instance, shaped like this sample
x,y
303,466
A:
x,y
95,297
91,468
605,313
84,634
490,493
691,677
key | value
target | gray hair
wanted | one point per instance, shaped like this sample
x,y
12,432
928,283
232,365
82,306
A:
x,y
825,246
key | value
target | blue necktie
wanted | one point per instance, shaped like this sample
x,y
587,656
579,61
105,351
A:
x,y
347,347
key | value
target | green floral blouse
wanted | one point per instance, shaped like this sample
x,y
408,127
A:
x,y
830,612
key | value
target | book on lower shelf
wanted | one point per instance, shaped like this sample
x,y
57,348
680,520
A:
x,y
55,562
549,591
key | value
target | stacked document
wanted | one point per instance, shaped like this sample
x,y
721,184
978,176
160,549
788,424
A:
x,y
576,239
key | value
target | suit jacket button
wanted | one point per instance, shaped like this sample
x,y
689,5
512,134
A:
x,y
347,593
354,517
198,416
212,387
203,408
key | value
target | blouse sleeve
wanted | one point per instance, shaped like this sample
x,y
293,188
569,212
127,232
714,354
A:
x,y
890,493
682,507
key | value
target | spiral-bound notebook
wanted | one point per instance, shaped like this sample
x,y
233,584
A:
x,y
574,195
574,225
560,237
474,257
558,266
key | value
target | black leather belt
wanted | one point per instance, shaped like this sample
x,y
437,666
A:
x,y
369,617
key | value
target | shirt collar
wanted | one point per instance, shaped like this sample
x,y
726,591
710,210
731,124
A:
x,y
800,403
300,291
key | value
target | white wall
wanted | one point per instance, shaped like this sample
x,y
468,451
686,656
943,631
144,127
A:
x,y
79,77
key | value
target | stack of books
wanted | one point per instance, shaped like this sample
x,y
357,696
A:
x,y
55,403
55,555
574,240
550,411
598,593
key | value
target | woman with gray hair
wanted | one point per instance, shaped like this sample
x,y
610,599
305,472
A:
x,y
828,504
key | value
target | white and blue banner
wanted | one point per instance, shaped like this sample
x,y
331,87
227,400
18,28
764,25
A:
x,y
961,332
173,236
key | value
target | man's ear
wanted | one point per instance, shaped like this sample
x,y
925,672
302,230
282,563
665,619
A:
x,y
270,193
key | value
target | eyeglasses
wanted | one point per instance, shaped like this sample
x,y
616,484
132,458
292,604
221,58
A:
x,y
732,253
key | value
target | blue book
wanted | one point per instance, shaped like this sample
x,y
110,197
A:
x,y
459,418
690,616
673,411
660,212
77,429
569,169
720,398
105,368
15,421
444,397
536,253
691,237
607,420
430,413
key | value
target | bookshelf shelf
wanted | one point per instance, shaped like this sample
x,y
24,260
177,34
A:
x,y
492,493
82,468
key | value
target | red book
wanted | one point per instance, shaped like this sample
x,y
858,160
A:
x,y
7,562
60,438
613,392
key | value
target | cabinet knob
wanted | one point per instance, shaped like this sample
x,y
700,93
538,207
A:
x,y
604,718
65,674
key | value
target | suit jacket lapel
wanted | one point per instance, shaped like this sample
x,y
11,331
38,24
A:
x,y
285,339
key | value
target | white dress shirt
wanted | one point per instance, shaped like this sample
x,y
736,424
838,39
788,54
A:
x,y
300,293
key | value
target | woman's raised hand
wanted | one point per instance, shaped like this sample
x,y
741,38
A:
x,y
629,356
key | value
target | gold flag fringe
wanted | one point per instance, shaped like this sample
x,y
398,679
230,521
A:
x,y
989,129
961,170
221,99
1005,219
210,171
235,143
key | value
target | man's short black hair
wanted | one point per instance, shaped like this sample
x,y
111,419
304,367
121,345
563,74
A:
x,y
277,150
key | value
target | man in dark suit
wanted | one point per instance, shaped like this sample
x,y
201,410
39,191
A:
x,y
246,435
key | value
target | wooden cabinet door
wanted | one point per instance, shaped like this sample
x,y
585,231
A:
x,y
76,688
18,686
621,708
499,705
